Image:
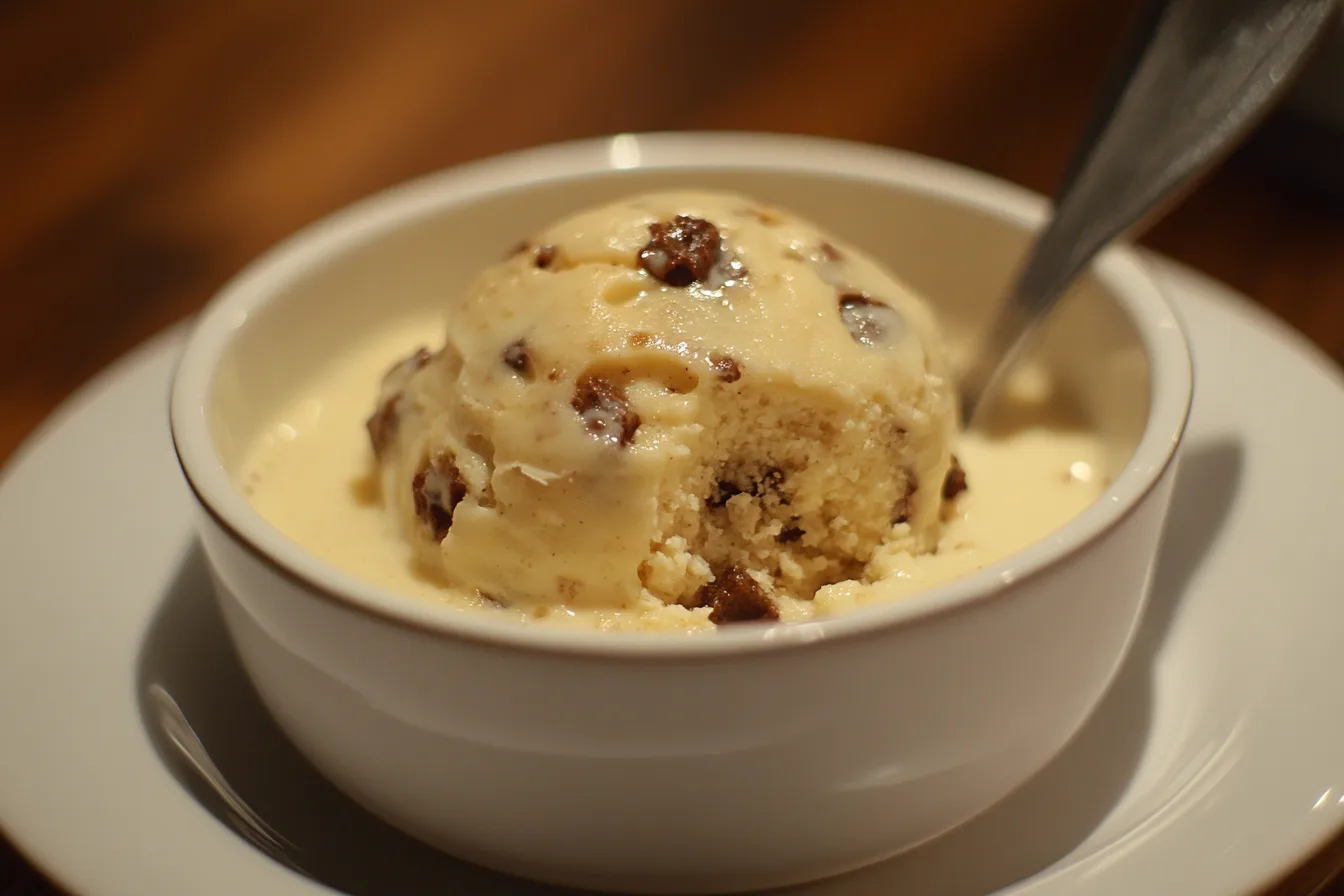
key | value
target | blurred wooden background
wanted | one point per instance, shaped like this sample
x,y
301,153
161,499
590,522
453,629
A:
x,y
149,149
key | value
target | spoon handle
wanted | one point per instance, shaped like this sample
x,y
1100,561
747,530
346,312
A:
x,y
1209,72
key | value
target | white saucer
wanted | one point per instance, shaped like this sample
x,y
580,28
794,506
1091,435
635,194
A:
x,y
1214,765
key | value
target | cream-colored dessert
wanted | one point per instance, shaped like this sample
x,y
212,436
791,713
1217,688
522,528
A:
x,y
672,411
662,389
308,473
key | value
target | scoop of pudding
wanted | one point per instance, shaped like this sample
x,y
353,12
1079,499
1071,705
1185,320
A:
x,y
679,398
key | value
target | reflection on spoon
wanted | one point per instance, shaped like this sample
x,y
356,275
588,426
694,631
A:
x,y
188,747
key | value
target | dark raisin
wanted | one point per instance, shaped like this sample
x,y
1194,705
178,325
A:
x,y
829,252
869,321
382,425
681,251
789,534
544,256
605,410
734,596
437,489
955,481
726,367
517,356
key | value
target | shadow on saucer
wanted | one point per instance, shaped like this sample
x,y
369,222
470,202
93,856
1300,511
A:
x,y
1053,814
188,653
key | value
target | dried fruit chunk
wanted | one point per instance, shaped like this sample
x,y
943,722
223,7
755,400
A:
x,y
438,488
726,367
681,251
382,425
605,409
734,596
869,321
544,256
954,483
518,357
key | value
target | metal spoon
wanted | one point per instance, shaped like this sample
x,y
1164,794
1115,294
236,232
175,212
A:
x,y
1195,80
253,828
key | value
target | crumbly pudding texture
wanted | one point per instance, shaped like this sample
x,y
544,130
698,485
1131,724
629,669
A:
x,y
685,399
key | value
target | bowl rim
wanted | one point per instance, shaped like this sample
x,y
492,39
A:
x,y
1119,269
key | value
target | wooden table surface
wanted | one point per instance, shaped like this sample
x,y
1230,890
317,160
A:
x,y
149,149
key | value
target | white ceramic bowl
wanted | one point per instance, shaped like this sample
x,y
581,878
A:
x,y
742,759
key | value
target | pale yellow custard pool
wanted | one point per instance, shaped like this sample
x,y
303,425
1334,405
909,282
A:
x,y
311,474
